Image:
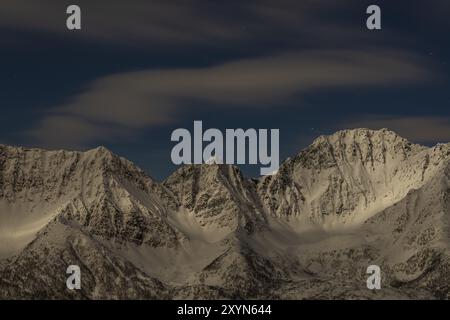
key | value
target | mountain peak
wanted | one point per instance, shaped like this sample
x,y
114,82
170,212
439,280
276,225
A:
x,y
328,213
214,160
361,135
359,144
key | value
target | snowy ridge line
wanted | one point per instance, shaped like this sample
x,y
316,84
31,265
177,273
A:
x,y
351,199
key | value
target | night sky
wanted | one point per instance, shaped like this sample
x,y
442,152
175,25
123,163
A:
x,y
140,69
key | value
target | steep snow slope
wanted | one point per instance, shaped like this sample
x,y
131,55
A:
x,y
105,193
352,199
39,271
343,179
217,197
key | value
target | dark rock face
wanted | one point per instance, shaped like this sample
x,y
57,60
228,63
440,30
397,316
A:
x,y
350,200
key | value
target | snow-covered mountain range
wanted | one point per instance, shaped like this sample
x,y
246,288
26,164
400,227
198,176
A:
x,y
353,199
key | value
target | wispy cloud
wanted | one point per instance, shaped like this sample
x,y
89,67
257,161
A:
x,y
177,23
69,131
142,22
130,102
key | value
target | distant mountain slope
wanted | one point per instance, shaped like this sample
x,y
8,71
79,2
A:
x,y
352,199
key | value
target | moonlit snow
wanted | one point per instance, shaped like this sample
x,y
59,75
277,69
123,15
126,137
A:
x,y
353,199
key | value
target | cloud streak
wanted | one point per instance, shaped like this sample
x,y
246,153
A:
x,y
141,22
124,104
151,24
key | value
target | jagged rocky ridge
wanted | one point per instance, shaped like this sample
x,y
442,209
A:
x,y
352,199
